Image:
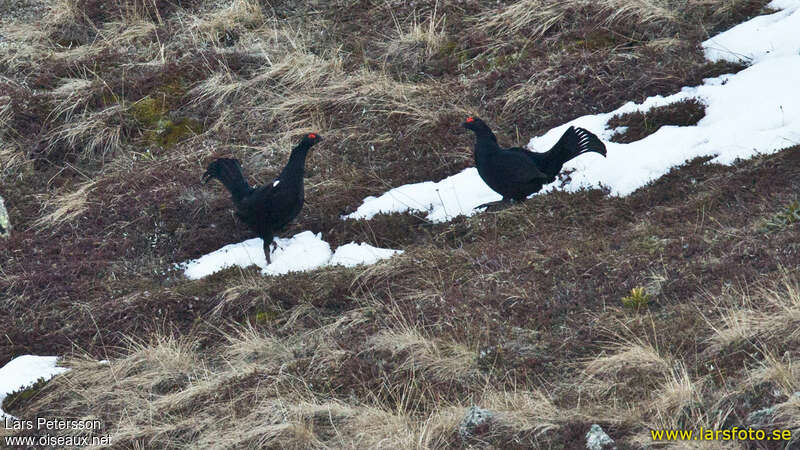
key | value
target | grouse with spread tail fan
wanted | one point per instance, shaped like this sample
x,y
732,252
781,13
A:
x,y
515,173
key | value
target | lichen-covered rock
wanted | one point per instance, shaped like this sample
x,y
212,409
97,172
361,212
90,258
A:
x,y
765,417
5,223
476,422
761,418
597,439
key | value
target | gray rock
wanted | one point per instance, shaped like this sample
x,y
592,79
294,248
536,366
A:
x,y
597,439
475,422
761,418
765,417
5,223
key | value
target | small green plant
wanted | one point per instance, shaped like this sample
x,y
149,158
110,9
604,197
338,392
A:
x,y
20,396
786,217
266,316
653,245
637,299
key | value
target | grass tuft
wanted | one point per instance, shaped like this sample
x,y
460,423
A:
x,y
637,299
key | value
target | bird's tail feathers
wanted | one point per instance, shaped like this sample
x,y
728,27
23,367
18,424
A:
x,y
577,141
574,142
229,172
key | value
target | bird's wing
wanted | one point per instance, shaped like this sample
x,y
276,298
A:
x,y
259,196
518,166
524,152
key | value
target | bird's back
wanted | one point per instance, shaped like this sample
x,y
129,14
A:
x,y
271,207
512,173
516,173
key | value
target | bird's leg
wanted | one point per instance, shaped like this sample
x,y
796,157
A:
x,y
486,205
505,203
267,251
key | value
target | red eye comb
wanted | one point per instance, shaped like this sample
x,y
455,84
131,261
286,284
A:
x,y
312,135
470,119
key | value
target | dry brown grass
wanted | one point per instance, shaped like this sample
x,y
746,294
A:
x,y
446,361
65,207
773,316
97,133
170,390
535,17
161,388
224,27
281,376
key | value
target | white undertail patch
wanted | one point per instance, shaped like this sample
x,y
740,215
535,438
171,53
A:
x,y
583,135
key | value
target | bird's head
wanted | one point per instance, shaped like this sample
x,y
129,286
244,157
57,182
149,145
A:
x,y
310,139
475,124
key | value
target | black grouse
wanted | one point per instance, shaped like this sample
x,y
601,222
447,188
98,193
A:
x,y
515,173
269,208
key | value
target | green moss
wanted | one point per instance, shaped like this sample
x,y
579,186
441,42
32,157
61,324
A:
x,y
448,48
153,115
596,40
503,62
171,93
17,398
174,132
149,112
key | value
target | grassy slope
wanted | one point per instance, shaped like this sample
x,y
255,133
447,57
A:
x,y
111,114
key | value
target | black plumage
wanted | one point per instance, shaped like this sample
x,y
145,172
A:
x,y
515,173
269,208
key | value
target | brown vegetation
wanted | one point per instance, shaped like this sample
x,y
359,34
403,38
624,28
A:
x,y
639,125
109,114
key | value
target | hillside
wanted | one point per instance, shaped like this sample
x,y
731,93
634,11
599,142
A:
x,y
674,306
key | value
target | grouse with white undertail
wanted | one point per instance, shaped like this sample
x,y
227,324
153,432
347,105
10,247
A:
x,y
269,208
515,173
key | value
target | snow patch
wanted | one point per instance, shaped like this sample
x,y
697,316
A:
x,y
752,112
353,254
23,371
453,196
302,252
768,36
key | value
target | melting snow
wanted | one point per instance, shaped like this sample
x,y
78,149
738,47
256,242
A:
x,y
754,111
302,252
23,371
353,254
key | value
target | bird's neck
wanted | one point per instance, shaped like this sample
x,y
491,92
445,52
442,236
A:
x,y
485,137
297,161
